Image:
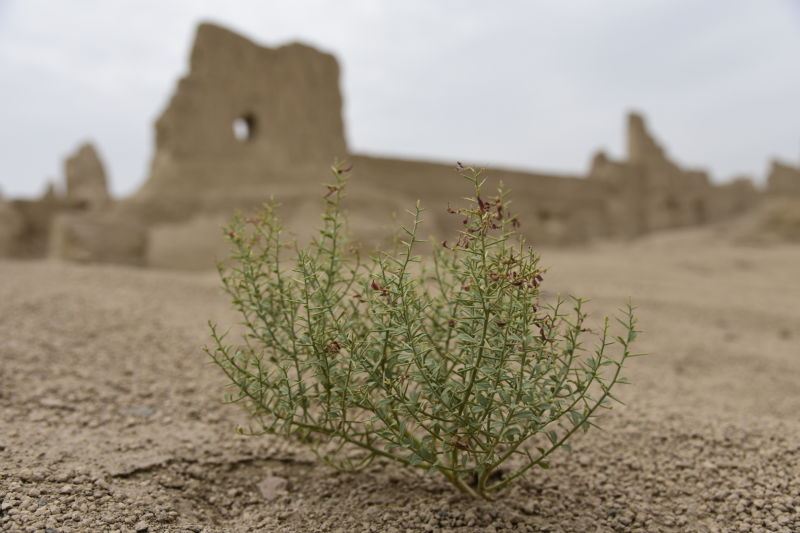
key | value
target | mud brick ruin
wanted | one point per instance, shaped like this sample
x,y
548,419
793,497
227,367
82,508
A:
x,y
249,122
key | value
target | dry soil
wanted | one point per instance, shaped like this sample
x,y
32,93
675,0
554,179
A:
x,y
110,415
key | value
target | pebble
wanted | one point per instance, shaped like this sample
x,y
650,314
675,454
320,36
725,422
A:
x,y
271,487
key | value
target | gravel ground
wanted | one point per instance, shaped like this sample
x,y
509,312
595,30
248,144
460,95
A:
x,y
110,416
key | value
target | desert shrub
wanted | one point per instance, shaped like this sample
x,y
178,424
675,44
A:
x,y
452,364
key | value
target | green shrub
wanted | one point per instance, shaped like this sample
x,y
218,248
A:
x,y
451,364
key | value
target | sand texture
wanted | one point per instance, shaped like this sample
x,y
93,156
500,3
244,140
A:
x,y
111,416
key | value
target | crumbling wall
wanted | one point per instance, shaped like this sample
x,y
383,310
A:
x,y
98,237
733,199
783,179
774,221
623,195
11,226
85,177
672,196
553,209
28,225
247,123
35,221
650,192
286,105
198,243
244,118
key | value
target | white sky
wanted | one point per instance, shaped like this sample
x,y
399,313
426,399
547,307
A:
x,y
529,84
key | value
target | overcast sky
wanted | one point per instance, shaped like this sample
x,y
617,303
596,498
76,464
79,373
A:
x,y
527,84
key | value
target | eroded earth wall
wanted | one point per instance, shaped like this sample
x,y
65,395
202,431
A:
x,y
248,122
783,179
243,119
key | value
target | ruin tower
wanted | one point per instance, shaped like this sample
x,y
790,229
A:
x,y
783,179
642,147
85,175
244,118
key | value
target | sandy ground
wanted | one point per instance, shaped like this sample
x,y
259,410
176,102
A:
x,y
110,415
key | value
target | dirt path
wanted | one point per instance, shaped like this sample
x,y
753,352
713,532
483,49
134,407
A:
x,y
110,416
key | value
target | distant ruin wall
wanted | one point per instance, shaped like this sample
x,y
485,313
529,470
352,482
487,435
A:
x,y
11,227
35,222
553,209
783,179
103,237
85,178
242,119
642,147
27,225
652,192
247,123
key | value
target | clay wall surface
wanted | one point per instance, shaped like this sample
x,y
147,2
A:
x,y
103,237
85,177
11,226
289,98
287,107
34,220
650,192
624,195
671,196
783,179
27,226
553,209
732,199
247,123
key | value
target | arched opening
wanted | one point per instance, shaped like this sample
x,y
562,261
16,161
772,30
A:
x,y
244,127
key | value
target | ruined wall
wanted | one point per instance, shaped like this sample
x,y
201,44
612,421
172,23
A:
x,y
671,196
93,236
85,177
783,179
11,226
624,195
34,225
287,105
733,199
26,226
553,209
650,192
247,123
283,103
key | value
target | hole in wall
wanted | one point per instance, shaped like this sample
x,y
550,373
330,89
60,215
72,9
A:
x,y
244,127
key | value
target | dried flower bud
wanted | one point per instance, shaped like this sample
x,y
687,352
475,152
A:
x,y
333,347
460,443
